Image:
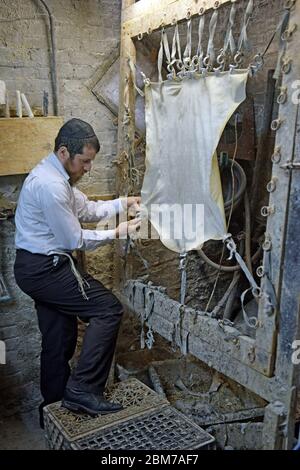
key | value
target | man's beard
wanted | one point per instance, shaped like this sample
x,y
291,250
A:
x,y
74,179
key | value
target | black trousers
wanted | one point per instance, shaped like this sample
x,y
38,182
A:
x,y
58,301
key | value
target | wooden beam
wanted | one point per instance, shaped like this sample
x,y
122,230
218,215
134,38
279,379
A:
x,y
126,133
279,198
25,141
270,389
103,197
223,349
275,415
147,15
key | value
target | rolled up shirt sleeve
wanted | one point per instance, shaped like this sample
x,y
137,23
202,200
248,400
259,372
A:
x,y
90,211
65,226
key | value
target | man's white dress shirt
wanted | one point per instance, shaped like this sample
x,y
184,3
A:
x,y
50,210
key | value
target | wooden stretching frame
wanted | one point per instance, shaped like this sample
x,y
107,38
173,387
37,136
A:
x,y
269,356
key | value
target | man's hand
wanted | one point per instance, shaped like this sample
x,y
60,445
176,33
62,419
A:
x,y
133,200
128,228
132,203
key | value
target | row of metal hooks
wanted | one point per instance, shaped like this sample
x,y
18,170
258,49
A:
x,y
287,6
282,99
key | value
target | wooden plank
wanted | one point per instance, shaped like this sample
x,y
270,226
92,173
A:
x,y
193,323
270,389
276,226
24,142
105,65
126,134
103,197
289,320
272,432
145,14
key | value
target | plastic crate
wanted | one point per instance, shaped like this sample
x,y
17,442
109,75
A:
x,y
146,422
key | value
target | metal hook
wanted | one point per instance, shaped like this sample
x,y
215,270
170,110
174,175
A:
x,y
221,58
256,292
276,157
282,97
286,66
238,58
267,244
275,125
170,68
289,4
179,64
195,61
266,211
259,60
287,34
271,186
260,271
206,61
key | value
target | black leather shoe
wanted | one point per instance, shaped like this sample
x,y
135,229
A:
x,y
90,403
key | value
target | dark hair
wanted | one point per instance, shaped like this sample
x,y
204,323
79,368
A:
x,y
74,135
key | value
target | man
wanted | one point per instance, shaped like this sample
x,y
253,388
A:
x,y
48,229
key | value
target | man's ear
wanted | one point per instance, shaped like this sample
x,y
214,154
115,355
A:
x,y
63,154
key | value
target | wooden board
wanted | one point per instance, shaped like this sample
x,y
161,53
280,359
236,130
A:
x,y
139,17
194,324
219,358
279,199
25,141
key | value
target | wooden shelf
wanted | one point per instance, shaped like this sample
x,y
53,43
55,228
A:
x,y
25,141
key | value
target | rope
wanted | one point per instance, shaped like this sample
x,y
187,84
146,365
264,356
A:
x,y
176,48
160,57
164,48
188,48
133,68
200,51
81,281
243,42
182,268
210,55
230,215
251,322
229,39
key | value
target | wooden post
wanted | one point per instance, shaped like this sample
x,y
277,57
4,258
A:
x,y
280,193
126,131
273,426
284,230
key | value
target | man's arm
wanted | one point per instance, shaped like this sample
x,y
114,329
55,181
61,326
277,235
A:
x,y
56,205
90,211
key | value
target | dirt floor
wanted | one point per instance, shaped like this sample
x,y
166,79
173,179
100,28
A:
x,y
22,432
